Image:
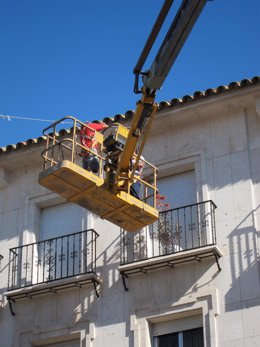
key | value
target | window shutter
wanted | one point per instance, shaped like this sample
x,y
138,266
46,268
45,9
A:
x,y
60,220
177,325
179,190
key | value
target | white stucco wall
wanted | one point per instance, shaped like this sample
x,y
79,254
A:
x,y
219,137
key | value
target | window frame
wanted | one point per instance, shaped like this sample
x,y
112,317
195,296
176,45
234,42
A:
x,y
185,320
34,203
180,336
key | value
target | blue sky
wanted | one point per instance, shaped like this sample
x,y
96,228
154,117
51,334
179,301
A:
x,y
76,57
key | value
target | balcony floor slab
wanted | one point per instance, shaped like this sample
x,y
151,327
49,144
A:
x,y
53,286
171,260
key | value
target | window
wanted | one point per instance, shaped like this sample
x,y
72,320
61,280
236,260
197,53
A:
x,y
60,220
188,338
183,332
62,257
179,190
175,230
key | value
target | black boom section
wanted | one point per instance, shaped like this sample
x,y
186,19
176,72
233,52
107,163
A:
x,y
181,26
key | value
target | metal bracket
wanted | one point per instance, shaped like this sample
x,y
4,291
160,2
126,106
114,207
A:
x,y
217,258
95,288
124,277
10,301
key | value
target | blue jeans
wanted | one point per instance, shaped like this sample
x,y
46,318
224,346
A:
x,y
135,189
91,163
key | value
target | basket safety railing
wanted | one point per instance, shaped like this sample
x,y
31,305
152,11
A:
x,y
64,144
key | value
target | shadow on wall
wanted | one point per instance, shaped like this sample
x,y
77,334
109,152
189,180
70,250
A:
x,y
111,304
244,265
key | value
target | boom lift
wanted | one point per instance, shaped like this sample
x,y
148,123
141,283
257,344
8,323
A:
x,y
107,193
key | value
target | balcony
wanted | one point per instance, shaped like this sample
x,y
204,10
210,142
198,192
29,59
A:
x,y
52,265
180,235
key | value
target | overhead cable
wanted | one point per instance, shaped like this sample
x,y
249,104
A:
x,y
9,118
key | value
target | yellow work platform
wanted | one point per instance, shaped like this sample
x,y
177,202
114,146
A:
x,y
88,190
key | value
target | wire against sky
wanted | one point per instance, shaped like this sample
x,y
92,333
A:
x,y
9,118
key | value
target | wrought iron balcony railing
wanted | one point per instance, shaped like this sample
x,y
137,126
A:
x,y
53,259
177,230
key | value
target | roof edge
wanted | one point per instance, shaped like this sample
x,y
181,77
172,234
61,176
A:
x,y
186,99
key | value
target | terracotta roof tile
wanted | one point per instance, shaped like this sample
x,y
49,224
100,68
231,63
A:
x,y
210,92
108,120
187,98
31,141
119,118
9,148
129,114
64,132
176,101
222,89
255,80
198,95
164,105
234,85
41,139
245,83
20,144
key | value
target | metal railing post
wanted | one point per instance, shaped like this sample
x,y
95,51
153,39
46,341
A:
x,y
177,230
49,259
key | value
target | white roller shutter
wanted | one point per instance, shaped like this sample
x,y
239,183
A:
x,y
60,220
60,258
179,190
177,325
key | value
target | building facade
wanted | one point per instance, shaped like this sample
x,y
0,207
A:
x,y
68,278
